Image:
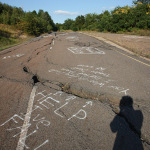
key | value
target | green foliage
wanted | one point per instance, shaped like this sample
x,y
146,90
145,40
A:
x,y
141,1
68,24
4,33
30,22
79,22
121,19
6,39
59,26
91,21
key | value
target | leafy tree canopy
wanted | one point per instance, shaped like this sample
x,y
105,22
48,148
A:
x,y
120,19
141,1
31,22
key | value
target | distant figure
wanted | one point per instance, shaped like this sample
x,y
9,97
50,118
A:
x,y
55,33
127,124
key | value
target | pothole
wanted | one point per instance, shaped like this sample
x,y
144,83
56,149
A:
x,y
35,79
25,69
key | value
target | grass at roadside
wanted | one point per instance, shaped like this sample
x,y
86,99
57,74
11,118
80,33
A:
x,y
10,42
10,36
135,31
132,46
139,45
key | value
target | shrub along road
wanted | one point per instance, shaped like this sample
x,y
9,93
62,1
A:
x,y
72,91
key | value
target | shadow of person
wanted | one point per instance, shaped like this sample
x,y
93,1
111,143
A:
x,y
127,124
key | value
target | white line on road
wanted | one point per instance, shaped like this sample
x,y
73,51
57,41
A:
x,y
24,130
42,144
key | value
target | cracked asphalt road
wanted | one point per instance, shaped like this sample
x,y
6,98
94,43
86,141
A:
x,y
72,91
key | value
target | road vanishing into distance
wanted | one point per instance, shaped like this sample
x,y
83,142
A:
x,y
70,91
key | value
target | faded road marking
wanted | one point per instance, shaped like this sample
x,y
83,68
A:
x,y
132,58
24,130
13,56
111,43
85,50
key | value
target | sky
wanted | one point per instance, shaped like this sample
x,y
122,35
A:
x,y
60,10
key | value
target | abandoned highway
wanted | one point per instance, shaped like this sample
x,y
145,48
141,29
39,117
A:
x,y
70,91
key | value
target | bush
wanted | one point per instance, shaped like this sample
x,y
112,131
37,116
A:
x,y
120,19
29,22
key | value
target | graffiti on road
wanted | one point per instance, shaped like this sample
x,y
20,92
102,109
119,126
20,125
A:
x,y
13,56
46,101
86,50
97,76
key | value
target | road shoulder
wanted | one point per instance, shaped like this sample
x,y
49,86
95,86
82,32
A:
x,y
134,45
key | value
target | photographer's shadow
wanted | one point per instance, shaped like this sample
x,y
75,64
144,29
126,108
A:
x,y
127,124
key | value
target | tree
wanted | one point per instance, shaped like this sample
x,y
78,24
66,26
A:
x,y
6,17
91,21
49,28
1,7
120,19
46,20
30,22
141,1
79,22
59,26
105,22
68,24
15,16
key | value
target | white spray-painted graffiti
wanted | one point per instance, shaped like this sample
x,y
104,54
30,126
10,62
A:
x,y
72,38
46,36
93,75
13,56
63,34
85,50
44,100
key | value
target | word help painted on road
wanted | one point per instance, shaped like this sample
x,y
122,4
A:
x,y
56,101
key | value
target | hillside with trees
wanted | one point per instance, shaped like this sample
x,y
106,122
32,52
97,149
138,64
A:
x,y
32,23
120,19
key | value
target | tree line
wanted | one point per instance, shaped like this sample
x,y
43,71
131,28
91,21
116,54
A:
x,y
32,23
120,19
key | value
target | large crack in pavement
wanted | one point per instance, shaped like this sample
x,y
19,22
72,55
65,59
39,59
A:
x,y
35,78
107,100
14,80
83,94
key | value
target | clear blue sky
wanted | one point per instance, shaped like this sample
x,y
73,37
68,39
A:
x,y
61,10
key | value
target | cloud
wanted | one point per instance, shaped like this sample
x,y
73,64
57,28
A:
x,y
111,8
108,8
61,12
104,8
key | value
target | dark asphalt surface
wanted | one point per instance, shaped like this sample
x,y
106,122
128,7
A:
x,y
75,92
